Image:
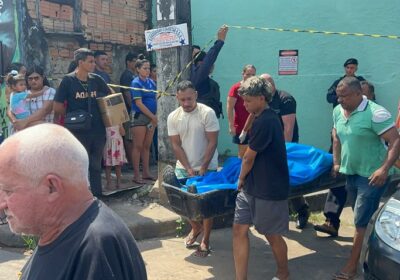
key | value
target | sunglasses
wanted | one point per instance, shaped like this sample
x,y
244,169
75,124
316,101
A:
x,y
34,78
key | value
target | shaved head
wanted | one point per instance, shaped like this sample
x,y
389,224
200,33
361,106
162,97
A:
x,y
44,149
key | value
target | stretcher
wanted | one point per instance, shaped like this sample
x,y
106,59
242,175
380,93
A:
x,y
215,203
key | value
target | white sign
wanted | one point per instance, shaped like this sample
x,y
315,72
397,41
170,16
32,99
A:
x,y
288,62
167,37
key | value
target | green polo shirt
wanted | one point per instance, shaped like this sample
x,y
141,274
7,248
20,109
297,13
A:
x,y
363,151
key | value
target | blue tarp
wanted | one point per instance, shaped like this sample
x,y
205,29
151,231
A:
x,y
305,163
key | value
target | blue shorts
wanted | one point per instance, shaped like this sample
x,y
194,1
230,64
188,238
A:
x,y
364,198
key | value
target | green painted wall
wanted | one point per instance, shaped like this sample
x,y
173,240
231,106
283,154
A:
x,y
321,57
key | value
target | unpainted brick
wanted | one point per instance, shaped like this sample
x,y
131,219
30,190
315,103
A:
x,y
64,53
53,52
59,25
69,26
66,12
48,24
105,8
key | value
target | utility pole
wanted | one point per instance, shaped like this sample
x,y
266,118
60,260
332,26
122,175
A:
x,y
170,62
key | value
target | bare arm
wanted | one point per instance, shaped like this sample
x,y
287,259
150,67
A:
x,y
180,153
337,148
249,122
59,111
39,115
288,126
212,138
247,165
10,115
378,178
230,105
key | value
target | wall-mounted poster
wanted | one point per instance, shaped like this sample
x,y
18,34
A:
x,y
288,62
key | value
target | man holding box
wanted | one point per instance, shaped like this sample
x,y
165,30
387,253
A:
x,y
79,89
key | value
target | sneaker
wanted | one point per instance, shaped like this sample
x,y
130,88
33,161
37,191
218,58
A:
x,y
327,228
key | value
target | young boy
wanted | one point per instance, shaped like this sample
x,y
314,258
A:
x,y
263,182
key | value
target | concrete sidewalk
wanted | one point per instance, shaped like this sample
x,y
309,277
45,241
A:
x,y
311,256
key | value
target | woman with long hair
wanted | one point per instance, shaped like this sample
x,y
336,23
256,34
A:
x,y
144,119
40,101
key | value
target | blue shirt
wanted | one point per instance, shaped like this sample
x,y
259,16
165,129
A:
x,y
148,98
19,105
104,75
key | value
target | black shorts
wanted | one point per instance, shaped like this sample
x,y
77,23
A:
x,y
235,140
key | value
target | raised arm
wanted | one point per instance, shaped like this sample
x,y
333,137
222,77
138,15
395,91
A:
x,y
203,70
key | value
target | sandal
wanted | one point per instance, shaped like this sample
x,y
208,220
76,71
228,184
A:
x,y
150,178
202,252
138,182
344,276
191,239
3,221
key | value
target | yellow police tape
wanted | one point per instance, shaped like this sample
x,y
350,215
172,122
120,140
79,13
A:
x,y
314,32
158,92
177,77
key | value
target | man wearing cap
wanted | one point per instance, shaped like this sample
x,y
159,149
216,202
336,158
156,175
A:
x,y
350,68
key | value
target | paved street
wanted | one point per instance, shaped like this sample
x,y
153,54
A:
x,y
311,256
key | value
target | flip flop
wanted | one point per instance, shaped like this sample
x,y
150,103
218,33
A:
x,y
191,239
149,179
344,276
201,252
3,219
139,182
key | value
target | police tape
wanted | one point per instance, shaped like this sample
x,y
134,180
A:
x,y
158,92
314,31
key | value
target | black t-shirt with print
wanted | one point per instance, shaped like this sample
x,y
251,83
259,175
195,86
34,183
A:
x,y
284,104
75,92
269,177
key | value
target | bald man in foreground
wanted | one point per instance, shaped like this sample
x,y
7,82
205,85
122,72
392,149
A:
x,y
44,191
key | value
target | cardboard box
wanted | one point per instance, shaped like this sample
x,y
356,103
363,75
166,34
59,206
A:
x,y
113,109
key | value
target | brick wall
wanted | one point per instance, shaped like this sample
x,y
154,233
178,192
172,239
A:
x,y
108,25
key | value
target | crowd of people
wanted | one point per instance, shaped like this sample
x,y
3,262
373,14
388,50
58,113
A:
x,y
31,101
66,215
261,118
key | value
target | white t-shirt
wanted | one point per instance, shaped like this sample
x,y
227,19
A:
x,y
191,128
